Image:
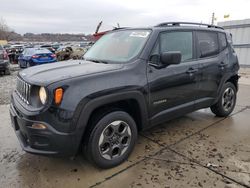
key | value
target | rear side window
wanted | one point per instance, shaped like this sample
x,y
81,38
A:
x,y
1,48
207,44
222,41
177,41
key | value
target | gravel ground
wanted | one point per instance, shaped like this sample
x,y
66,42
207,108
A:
x,y
7,85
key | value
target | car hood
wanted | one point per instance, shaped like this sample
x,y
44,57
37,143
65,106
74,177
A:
x,y
49,73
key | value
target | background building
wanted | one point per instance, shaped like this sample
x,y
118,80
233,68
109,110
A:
x,y
240,30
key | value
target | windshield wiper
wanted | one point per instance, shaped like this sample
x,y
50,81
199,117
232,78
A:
x,y
97,61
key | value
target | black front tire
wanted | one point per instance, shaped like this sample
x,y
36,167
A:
x,y
221,109
92,145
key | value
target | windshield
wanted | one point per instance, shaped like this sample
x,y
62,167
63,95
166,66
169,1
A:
x,y
118,47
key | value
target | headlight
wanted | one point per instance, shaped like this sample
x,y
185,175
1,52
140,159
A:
x,y
43,95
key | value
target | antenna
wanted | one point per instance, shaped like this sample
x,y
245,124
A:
x,y
213,18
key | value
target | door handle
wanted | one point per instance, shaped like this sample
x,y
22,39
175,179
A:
x,y
222,64
191,71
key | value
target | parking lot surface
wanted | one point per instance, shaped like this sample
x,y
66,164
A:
x,y
196,150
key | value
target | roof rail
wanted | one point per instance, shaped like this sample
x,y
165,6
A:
x,y
118,28
169,24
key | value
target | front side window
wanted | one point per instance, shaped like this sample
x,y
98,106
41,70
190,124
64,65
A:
x,y
178,41
118,47
207,44
173,41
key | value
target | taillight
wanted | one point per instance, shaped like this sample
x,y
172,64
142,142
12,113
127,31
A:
x,y
35,56
53,55
5,55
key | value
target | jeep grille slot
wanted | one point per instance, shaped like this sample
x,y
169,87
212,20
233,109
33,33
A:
x,y
23,90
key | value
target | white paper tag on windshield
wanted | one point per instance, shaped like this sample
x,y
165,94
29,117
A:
x,y
142,34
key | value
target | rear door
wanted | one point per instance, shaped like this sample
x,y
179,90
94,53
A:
x,y
211,66
173,88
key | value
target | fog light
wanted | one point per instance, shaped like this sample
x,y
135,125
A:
x,y
39,126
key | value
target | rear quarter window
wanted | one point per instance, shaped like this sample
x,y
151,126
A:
x,y
222,41
229,38
207,43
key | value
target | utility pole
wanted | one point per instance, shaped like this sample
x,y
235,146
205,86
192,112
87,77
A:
x,y
213,18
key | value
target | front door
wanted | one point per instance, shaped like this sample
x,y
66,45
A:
x,y
173,88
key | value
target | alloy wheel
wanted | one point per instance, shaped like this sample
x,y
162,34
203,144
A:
x,y
114,140
228,99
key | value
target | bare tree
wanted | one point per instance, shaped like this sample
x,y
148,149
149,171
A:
x,y
5,32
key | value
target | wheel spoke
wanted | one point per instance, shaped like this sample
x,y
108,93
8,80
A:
x,y
127,133
231,95
108,154
103,139
115,125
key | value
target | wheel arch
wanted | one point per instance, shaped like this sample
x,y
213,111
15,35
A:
x,y
131,102
233,78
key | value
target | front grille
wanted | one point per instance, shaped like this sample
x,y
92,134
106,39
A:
x,y
23,90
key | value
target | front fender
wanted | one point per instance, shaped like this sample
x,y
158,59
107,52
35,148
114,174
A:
x,y
86,108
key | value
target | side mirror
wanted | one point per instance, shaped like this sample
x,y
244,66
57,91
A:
x,y
171,57
154,58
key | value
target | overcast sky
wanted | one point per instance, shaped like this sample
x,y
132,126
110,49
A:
x,y
82,16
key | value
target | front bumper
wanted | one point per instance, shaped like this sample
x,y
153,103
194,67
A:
x,y
41,141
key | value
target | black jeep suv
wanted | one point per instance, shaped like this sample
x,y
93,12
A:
x,y
131,79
